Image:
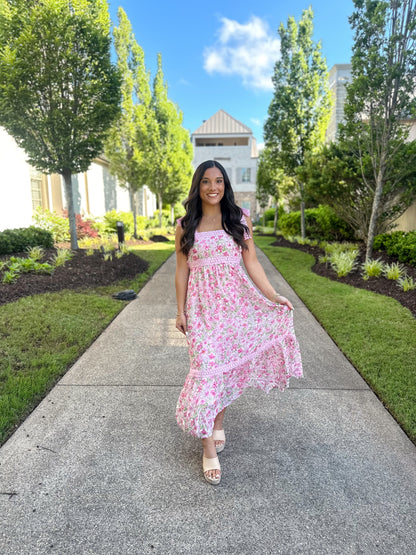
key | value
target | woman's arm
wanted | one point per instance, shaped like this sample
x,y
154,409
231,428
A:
x,y
181,282
256,272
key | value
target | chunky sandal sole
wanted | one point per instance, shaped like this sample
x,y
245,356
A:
x,y
211,464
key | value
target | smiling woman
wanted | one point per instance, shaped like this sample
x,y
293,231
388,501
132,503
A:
x,y
238,335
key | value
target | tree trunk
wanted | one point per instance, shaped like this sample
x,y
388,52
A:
x,y
374,215
133,210
302,212
302,220
276,215
172,214
67,175
159,198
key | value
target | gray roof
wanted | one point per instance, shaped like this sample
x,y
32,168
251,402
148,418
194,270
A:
x,y
222,123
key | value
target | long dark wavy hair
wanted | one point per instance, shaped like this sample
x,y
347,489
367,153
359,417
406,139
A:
x,y
231,213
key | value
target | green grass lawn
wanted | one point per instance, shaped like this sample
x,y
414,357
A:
x,y
375,332
42,336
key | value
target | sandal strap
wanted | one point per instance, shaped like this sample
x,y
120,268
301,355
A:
x,y
218,435
210,464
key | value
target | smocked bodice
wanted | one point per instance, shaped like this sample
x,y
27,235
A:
x,y
213,247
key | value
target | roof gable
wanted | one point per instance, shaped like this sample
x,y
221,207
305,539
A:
x,y
222,123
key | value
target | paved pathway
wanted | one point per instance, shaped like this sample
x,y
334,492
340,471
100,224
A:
x,y
100,467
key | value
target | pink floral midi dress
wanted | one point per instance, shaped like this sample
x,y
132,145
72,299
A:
x,y
237,338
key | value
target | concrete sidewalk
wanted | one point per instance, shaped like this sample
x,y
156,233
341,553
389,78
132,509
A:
x,y
100,467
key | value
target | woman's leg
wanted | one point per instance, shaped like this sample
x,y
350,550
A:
x,y
218,425
210,452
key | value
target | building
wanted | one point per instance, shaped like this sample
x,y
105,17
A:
x,y
23,189
339,76
231,143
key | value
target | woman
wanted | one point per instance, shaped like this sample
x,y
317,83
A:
x,y
237,336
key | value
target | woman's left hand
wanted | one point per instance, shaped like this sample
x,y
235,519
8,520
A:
x,y
279,299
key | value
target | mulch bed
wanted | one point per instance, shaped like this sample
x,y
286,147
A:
x,y
79,272
380,285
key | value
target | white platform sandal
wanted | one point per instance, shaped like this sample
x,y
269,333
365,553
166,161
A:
x,y
219,435
211,464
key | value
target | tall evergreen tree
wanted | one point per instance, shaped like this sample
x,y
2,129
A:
x,y
381,96
127,146
171,167
300,109
59,91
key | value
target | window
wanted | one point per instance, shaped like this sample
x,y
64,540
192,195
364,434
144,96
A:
x,y
245,175
36,187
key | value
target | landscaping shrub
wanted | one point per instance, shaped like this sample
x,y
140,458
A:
x,y
19,240
321,223
85,228
111,218
398,243
53,222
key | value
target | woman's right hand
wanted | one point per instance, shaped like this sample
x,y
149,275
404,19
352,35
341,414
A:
x,y
181,323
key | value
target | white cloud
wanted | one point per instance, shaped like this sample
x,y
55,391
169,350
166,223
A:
x,y
255,121
248,50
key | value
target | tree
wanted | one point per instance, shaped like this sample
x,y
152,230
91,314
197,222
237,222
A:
x,y
171,167
127,146
334,177
59,91
381,96
267,184
300,109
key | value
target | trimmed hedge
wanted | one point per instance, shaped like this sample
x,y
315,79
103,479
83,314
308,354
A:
x,y
398,243
321,223
19,240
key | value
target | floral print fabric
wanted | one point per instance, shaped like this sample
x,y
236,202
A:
x,y
237,338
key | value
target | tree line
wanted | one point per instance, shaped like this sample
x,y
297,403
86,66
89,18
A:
x,y
368,174
65,102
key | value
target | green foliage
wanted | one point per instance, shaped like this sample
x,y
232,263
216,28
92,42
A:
x,y
321,222
344,262
382,89
127,144
53,222
110,220
372,268
337,177
393,271
10,276
398,243
19,240
61,257
171,149
36,253
406,283
59,90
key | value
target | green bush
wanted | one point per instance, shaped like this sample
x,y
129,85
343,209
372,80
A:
x,y
398,243
321,223
53,222
19,240
110,220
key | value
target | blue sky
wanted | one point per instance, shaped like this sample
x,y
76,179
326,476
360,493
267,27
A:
x,y
220,54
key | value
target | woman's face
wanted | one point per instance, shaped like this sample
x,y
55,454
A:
x,y
211,187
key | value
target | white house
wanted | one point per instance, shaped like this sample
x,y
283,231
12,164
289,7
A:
x,y
23,189
231,143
